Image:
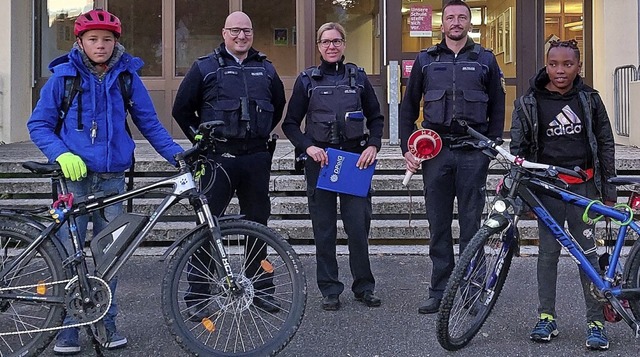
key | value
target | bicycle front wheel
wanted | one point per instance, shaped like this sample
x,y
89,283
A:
x,y
25,316
474,286
209,319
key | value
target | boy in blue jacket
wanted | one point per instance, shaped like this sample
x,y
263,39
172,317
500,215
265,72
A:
x,y
90,141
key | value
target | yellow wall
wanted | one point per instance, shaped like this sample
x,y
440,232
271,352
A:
x,y
615,43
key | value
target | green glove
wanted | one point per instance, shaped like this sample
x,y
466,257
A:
x,y
197,137
72,166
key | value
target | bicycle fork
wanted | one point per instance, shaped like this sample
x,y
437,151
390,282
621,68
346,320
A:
x,y
205,216
499,224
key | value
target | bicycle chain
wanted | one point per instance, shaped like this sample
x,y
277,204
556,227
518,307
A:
x,y
68,283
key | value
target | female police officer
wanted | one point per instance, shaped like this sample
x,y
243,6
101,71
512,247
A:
x,y
334,96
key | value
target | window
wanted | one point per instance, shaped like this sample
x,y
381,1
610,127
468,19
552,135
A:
x,y
275,32
57,23
141,31
198,30
361,22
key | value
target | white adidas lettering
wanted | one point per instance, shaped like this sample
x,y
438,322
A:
x,y
566,123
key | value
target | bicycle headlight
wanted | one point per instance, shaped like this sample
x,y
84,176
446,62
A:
x,y
500,206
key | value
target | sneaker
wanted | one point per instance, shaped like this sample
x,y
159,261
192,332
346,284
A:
x,y
597,336
67,342
545,329
115,341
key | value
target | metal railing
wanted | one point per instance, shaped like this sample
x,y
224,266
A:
x,y
622,77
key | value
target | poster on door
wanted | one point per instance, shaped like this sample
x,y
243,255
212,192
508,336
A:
x,y
420,21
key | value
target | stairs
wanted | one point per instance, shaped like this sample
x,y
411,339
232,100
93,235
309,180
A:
x,y
398,213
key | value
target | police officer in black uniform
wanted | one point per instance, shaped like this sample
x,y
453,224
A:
x,y
238,85
459,81
342,112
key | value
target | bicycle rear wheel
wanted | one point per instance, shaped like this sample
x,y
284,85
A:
x,y
210,320
473,288
31,277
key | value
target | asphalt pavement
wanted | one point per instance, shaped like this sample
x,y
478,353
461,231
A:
x,y
394,329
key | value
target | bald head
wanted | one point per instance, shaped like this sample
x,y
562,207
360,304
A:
x,y
238,34
237,17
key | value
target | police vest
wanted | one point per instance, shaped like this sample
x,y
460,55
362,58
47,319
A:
x,y
334,115
455,87
237,94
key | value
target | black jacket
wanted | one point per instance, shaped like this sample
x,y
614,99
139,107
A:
x,y
454,85
198,94
299,104
525,130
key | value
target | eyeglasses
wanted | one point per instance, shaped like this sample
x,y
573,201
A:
x,y
573,44
234,31
337,43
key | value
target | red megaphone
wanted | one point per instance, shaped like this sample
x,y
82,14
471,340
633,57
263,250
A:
x,y
423,144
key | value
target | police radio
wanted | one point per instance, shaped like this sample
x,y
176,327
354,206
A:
x,y
423,144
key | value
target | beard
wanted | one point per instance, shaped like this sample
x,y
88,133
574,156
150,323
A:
x,y
459,37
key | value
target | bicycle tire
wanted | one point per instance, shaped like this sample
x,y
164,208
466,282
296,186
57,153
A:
x,y
44,265
234,325
465,306
632,280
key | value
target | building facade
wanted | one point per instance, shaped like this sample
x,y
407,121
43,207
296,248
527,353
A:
x,y
383,36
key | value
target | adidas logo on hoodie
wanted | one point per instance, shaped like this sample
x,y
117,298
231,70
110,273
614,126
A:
x,y
566,122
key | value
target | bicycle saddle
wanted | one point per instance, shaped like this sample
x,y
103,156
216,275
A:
x,y
41,168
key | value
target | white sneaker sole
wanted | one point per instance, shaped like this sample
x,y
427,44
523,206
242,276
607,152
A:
x,y
116,344
66,350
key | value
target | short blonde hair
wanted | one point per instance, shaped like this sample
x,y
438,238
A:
x,y
331,26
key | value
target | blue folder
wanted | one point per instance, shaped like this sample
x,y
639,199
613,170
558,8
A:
x,y
343,176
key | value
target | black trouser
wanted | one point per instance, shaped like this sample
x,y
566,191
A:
x,y
549,252
247,176
356,217
460,174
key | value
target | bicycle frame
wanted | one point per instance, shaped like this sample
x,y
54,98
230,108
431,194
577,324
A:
x,y
528,190
183,186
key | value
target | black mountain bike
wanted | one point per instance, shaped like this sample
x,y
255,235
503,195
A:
x,y
481,271
231,262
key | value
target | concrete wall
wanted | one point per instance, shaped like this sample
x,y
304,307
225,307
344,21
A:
x,y
5,62
615,43
634,114
15,70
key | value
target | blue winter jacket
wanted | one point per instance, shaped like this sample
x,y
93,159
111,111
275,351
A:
x,y
102,102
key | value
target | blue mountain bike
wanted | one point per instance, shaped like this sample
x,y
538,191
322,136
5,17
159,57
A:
x,y
480,273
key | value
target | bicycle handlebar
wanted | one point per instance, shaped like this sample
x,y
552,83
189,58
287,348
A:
x,y
519,161
209,137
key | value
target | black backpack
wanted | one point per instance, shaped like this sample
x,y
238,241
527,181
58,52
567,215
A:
x,y
71,89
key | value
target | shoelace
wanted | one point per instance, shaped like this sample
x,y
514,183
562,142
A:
x,y
597,331
544,324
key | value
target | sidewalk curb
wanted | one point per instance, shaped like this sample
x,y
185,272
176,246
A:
x,y
525,251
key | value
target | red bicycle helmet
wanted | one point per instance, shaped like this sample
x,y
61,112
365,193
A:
x,y
97,19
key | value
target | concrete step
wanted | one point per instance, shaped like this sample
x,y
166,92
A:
x,y
279,184
382,231
280,206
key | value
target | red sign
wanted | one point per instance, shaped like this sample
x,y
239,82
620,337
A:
x,y
407,65
420,21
